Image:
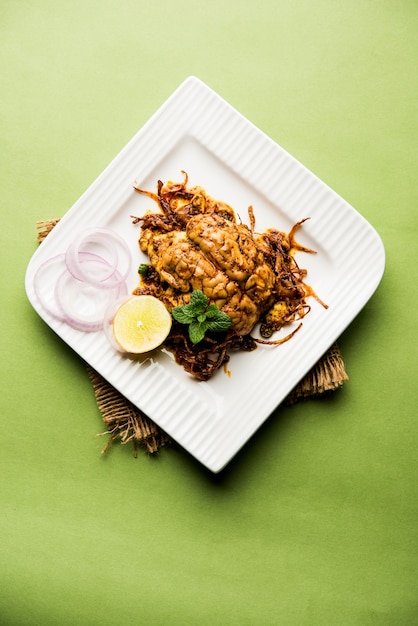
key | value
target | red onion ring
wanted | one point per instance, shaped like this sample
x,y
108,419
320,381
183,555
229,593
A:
x,y
82,305
111,241
48,303
86,284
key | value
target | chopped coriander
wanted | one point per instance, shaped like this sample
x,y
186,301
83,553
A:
x,y
143,269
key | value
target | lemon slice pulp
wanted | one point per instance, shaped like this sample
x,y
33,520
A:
x,y
141,324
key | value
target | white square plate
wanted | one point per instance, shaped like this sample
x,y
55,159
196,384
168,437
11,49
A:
x,y
197,131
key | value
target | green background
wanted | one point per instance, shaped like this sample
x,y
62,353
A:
x,y
315,521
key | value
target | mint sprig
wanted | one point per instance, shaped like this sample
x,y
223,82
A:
x,y
201,316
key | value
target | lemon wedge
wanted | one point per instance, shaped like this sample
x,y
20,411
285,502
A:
x,y
141,324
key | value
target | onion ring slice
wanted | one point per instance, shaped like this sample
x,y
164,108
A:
x,y
44,274
73,301
83,305
113,245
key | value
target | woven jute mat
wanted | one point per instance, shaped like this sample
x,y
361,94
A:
x,y
126,423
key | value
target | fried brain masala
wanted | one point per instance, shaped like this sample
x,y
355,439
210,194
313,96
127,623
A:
x,y
194,242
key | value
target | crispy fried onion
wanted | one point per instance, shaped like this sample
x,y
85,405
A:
x,y
202,360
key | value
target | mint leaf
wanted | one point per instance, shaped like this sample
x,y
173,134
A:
x,y
189,310
219,323
201,316
181,315
212,311
197,331
198,301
